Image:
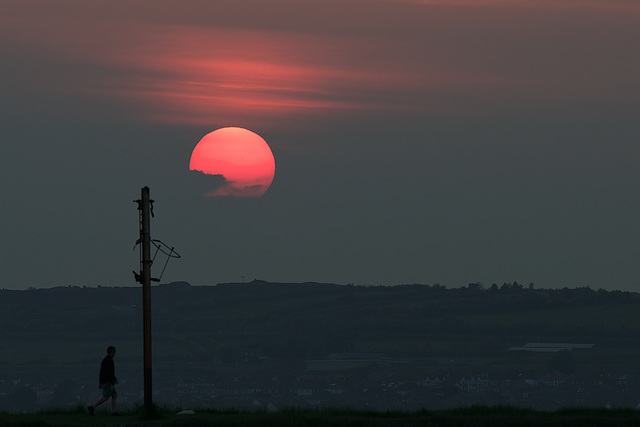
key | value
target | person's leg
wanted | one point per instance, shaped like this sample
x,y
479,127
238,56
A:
x,y
107,392
113,403
101,401
92,409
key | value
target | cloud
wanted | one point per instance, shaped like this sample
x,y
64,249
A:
x,y
203,76
219,186
201,183
231,189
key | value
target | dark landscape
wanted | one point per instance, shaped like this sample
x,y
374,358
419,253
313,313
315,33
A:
x,y
279,346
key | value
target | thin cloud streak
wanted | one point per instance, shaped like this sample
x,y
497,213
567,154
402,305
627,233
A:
x,y
199,75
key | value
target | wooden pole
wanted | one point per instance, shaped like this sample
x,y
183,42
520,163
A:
x,y
146,298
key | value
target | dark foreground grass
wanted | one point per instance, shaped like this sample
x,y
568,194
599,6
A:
x,y
473,416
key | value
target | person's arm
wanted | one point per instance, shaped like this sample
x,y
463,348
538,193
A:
x,y
112,369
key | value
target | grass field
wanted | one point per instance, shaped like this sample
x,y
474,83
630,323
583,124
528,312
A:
x,y
476,416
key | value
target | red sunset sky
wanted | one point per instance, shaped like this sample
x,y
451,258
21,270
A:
x,y
415,141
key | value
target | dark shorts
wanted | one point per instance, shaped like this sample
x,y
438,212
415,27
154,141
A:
x,y
108,390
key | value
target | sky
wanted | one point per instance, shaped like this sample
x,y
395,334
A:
x,y
433,141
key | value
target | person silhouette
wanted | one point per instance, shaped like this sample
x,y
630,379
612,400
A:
x,y
107,382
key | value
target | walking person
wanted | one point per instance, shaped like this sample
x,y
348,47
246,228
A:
x,y
107,382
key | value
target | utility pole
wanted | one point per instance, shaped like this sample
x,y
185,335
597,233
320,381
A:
x,y
145,212
144,206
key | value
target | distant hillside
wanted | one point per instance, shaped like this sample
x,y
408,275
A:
x,y
313,319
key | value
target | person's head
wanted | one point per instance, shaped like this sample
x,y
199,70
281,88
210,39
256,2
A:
x,y
111,351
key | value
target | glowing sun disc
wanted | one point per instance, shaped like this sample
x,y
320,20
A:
x,y
240,156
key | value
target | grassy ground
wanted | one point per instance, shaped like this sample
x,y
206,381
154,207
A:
x,y
476,416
